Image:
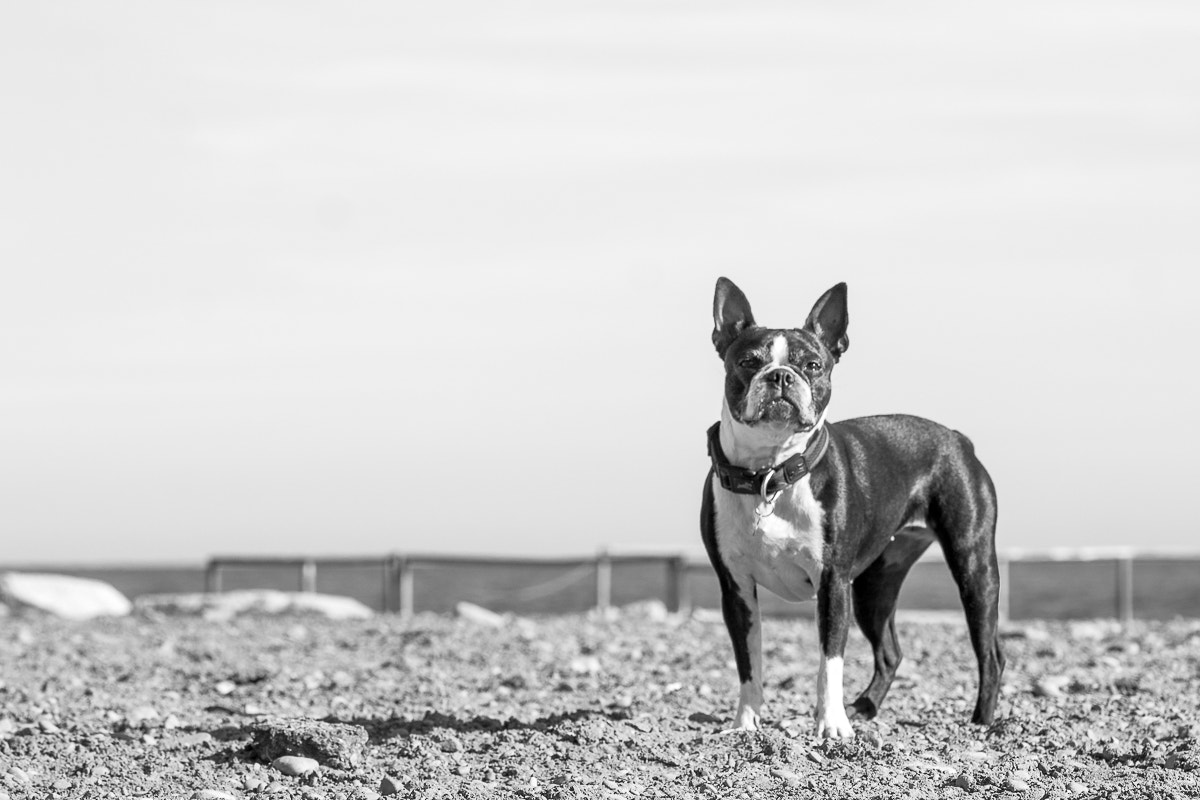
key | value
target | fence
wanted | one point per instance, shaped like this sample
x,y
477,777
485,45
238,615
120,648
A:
x,y
398,574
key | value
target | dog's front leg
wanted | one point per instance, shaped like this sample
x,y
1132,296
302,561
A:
x,y
739,605
833,619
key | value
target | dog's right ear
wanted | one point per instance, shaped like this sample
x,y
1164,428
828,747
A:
x,y
731,314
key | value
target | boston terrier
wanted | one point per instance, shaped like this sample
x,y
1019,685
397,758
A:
x,y
836,511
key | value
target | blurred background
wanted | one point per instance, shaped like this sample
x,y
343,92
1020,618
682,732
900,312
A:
x,y
309,278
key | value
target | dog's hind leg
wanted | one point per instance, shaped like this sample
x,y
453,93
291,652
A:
x,y
875,593
966,529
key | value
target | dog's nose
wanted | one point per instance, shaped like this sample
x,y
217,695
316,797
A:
x,y
783,378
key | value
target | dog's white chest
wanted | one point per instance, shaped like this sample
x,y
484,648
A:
x,y
783,551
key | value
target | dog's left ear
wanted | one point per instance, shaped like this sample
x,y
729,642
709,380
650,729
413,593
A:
x,y
828,320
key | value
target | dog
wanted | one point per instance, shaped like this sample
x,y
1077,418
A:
x,y
836,511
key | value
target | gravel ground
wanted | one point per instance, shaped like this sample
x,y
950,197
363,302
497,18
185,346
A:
x,y
577,707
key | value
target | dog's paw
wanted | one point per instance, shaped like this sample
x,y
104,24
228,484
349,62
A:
x,y
747,719
834,724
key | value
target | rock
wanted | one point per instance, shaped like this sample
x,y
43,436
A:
x,y
1016,785
264,602
965,781
479,615
62,595
141,714
1051,685
786,775
211,794
649,610
389,786
1075,787
334,744
363,793
585,665
61,785
295,765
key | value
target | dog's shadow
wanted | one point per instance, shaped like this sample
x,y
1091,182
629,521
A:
x,y
403,727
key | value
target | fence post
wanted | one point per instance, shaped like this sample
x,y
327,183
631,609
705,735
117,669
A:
x,y
678,597
1125,589
389,563
603,580
212,577
308,576
404,586
1002,563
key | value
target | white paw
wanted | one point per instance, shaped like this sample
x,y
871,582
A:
x,y
747,719
834,724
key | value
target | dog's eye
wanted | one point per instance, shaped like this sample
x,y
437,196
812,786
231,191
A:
x,y
812,366
750,361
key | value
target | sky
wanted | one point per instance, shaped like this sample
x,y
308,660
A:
x,y
316,278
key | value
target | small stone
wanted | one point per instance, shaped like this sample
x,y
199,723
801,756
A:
x,y
976,755
815,757
20,776
211,794
463,770
389,786
786,775
295,765
451,746
363,793
1075,787
48,726
225,688
870,737
965,781
62,785
1050,685
584,665
141,714
479,615
171,722
1016,785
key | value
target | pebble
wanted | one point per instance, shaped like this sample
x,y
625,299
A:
x,y
1016,785
1050,685
295,765
363,793
390,786
1075,787
20,776
141,714
786,775
62,785
212,794
224,688
965,781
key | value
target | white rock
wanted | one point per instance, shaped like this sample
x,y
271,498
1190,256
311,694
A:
x,y
650,610
211,794
295,765
63,595
479,615
227,605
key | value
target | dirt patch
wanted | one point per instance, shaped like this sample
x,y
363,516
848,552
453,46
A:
x,y
575,707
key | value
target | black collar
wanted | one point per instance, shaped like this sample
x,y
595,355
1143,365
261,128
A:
x,y
768,480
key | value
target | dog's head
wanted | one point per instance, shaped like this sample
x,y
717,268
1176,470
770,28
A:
x,y
778,377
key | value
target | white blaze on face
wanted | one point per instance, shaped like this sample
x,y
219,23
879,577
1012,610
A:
x,y
779,351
